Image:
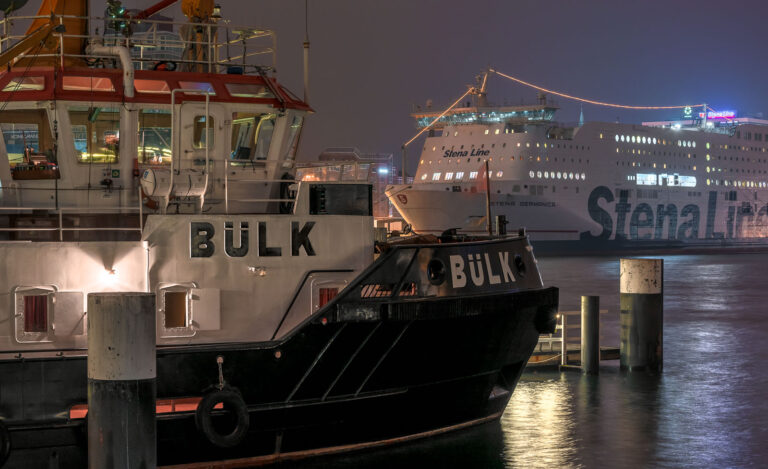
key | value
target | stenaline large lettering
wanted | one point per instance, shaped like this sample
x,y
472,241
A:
x,y
662,212
599,215
642,217
689,229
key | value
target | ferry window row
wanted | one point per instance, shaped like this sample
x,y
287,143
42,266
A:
x,y
458,176
737,183
653,140
96,135
557,175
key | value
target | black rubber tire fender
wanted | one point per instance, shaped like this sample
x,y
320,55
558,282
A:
x,y
233,401
5,443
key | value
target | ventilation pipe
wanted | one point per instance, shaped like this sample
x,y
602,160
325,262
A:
x,y
97,47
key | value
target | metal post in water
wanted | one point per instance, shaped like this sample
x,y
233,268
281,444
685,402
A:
x,y
121,381
642,314
563,339
590,334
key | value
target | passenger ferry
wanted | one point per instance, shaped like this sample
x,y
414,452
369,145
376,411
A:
x,y
120,172
701,180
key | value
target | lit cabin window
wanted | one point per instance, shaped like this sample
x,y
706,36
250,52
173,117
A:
x,y
486,131
154,142
28,139
435,176
530,174
496,132
199,137
197,86
248,90
460,175
472,175
252,135
449,176
538,174
499,174
546,174
102,124
151,86
98,84
33,83
617,137
424,176
559,175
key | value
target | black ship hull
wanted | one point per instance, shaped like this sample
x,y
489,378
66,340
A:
x,y
343,380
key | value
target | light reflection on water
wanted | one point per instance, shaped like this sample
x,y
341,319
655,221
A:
x,y
708,409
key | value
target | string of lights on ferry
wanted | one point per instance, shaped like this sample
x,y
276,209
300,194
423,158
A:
x,y
591,101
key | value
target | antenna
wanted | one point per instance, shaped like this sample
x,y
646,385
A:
x,y
306,51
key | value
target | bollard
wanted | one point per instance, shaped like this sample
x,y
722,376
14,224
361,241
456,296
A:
x,y
590,334
642,307
121,381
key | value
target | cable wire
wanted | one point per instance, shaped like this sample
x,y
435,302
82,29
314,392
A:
x,y
590,101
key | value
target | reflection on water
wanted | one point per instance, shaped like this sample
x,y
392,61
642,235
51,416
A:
x,y
708,409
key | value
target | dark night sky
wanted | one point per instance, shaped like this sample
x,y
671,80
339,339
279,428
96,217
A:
x,y
371,60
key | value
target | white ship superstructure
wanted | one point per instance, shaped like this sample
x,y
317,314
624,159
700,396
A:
x,y
697,181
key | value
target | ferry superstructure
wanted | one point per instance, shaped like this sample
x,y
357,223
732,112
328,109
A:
x,y
698,181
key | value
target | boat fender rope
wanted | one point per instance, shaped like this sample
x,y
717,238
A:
x,y
5,443
232,401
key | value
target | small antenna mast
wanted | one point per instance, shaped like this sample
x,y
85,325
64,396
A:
x,y
306,51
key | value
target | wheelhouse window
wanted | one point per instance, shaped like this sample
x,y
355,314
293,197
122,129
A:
x,y
27,136
252,135
29,83
200,139
154,142
71,83
96,133
294,131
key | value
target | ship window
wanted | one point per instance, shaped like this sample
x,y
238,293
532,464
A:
x,y
27,136
36,313
199,138
293,137
101,84
175,309
435,176
459,175
96,133
33,316
248,90
424,176
472,175
35,83
197,86
499,174
325,295
252,135
154,140
449,176
151,86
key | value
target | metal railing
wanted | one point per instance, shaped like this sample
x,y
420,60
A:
x,y
562,340
206,47
60,211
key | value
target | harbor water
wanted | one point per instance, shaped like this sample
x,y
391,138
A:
x,y
707,409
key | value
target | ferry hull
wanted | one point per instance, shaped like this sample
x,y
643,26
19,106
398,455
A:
x,y
593,219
